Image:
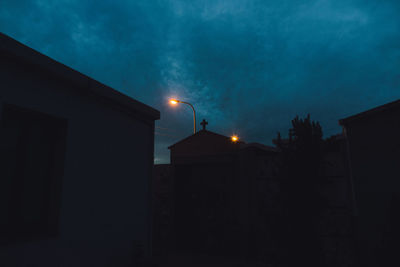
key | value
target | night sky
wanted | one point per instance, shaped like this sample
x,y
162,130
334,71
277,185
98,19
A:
x,y
248,67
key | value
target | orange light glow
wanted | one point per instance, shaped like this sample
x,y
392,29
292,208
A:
x,y
234,138
173,101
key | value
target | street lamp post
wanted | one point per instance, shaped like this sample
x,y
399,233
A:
x,y
175,101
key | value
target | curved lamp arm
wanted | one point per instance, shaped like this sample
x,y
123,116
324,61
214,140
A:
x,y
194,113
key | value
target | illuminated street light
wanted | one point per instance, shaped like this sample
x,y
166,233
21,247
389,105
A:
x,y
234,138
175,102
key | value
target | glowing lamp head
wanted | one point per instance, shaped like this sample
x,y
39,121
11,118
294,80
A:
x,y
234,138
173,102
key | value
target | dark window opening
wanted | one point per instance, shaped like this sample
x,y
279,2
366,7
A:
x,y
32,148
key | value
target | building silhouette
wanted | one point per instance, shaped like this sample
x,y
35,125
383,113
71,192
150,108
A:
x,y
76,160
373,147
218,191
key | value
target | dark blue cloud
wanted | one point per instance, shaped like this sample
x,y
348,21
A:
x,y
248,66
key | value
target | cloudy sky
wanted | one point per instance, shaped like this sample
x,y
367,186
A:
x,y
248,66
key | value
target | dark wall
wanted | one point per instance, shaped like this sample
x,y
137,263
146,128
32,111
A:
x,y
224,204
204,206
104,201
374,147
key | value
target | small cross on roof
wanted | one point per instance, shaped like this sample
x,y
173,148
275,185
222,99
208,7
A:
x,y
204,123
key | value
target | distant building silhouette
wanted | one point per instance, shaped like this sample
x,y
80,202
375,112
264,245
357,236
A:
x,y
337,220
331,222
373,146
76,160
219,192
163,192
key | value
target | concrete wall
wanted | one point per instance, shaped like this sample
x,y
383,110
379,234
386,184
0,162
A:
x,y
105,189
